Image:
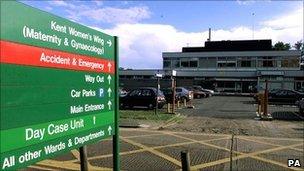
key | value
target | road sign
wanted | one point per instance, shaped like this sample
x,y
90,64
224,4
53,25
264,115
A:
x,y
58,82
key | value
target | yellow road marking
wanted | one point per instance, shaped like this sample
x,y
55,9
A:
x,y
68,165
163,131
142,150
273,138
274,162
75,153
136,136
197,133
122,153
267,143
243,155
249,155
201,142
59,164
172,160
40,168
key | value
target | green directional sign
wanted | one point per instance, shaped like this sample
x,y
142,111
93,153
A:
x,y
58,85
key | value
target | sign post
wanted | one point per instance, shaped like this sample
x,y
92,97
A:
x,y
116,116
58,87
83,158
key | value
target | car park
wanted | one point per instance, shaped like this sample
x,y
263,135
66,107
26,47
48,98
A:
x,y
143,97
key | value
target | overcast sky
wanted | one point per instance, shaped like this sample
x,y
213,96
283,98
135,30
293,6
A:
x,y
148,28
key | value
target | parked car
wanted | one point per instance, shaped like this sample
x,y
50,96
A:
x,y
143,97
272,91
301,90
183,93
197,93
300,104
207,91
169,95
210,91
284,96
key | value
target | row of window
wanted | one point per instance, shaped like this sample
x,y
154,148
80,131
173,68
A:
x,y
223,62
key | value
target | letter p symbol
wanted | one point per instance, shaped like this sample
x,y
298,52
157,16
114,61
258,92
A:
x,y
101,92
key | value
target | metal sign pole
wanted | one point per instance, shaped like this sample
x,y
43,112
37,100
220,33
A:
x,y
116,164
83,158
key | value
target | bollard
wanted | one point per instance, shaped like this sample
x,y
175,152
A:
x,y
231,153
83,158
185,102
168,108
178,105
185,161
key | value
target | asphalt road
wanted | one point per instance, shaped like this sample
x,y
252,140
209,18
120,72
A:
x,y
237,115
231,107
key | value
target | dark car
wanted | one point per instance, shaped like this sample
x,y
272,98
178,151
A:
x,y
122,92
272,91
301,90
169,95
197,92
284,96
143,97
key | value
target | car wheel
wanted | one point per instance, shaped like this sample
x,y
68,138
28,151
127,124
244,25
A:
x,y
183,99
150,106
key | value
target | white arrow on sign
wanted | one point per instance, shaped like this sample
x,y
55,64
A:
x,y
109,92
109,66
110,130
109,42
109,79
109,104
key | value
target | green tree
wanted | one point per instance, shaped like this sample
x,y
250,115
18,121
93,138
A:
x,y
298,45
281,46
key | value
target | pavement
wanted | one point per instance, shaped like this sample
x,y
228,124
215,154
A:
x,y
144,149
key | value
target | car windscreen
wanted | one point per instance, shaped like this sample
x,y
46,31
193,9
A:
x,y
179,90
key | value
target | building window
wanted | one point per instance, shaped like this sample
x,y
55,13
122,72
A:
x,y
266,62
191,62
175,64
167,64
224,62
290,62
209,62
185,63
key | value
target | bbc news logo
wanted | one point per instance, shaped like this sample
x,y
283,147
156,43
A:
x,y
293,163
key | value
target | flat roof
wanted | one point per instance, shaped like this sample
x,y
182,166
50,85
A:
x,y
231,54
